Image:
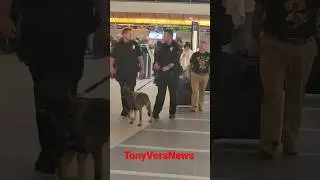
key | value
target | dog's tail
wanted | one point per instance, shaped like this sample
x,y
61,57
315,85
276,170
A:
x,y
148,105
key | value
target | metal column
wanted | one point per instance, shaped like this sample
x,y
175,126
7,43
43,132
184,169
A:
x,y
195,35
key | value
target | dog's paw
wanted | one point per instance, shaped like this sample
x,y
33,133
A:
x,y
150,121
131,122
139,125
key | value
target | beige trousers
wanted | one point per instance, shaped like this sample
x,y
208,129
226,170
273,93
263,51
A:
x,y
283,66
198,84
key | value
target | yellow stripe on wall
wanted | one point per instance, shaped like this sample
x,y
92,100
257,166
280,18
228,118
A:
x,y
205,23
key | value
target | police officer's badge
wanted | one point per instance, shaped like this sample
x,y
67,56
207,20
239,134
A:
x,y
133,47
171,48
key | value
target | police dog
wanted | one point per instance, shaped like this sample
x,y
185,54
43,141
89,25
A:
x,y
136,101
88,129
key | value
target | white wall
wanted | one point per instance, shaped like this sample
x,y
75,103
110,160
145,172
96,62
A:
x,y
155,7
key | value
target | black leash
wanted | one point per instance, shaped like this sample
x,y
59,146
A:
x,y
145,85
100,82
95,85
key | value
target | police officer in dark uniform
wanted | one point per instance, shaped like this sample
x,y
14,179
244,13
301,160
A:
x,y
52,39
288,49
125,62
168,69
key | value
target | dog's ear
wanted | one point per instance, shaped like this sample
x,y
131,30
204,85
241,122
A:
x,y
134,94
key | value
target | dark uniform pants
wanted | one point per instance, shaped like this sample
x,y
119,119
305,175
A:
x,y
164,82
283,65
129,81
56,65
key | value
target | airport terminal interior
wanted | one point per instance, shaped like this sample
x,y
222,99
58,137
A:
x,y
189,132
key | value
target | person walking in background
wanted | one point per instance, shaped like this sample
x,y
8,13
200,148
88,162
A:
x,y
125,62
288,49
199,73
185,57
179,41
167,67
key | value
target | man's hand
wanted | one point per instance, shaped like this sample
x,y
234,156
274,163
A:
x,y
156,66
165,68
168,67
7,28
113,71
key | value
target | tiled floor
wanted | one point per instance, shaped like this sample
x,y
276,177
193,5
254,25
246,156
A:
x,y
240,157
189,132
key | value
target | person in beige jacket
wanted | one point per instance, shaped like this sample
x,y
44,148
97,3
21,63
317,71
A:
x,y
185,57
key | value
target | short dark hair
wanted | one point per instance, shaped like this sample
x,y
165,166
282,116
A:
x,y
187,44
125,30
169,31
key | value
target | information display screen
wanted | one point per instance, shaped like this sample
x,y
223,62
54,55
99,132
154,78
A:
x,y
158,35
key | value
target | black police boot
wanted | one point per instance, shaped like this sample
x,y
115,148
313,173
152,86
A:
x,y
172,116
124,113
45,163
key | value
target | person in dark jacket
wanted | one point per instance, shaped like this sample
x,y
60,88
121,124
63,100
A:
x,y
42,28
168,70
125,62
288,49
158,45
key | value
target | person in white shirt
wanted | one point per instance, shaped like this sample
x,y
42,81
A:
x,y
185,57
